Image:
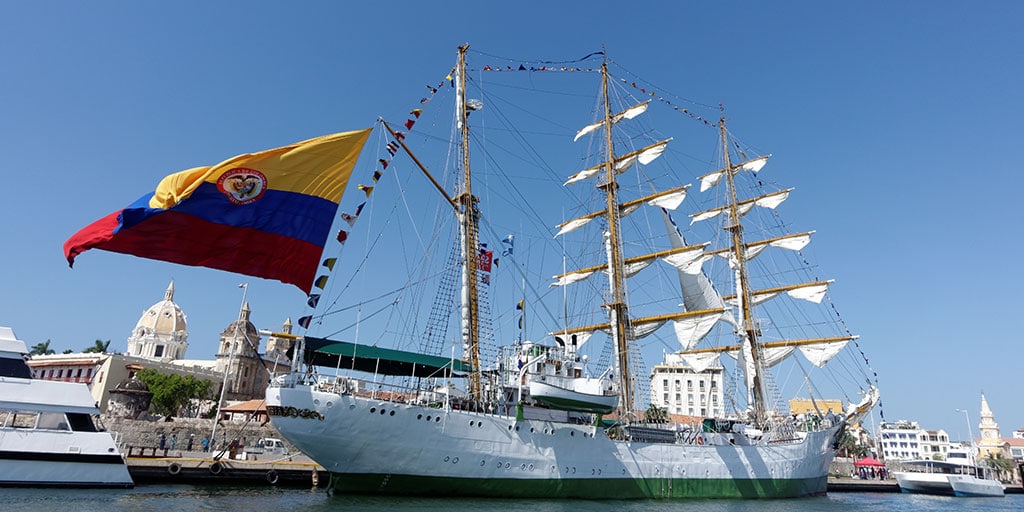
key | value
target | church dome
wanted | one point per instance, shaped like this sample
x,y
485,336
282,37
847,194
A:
x,y
164,317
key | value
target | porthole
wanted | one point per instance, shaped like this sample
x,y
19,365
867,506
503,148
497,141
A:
x,y
531,467
446,458
330,404
316,401
483,462
571,433
428,418
455,460
373,410
419,416
532,430
437,419
382,411
510,428
522,467
392,413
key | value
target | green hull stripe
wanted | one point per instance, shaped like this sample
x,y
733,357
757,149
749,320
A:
x,y
574,405
589,488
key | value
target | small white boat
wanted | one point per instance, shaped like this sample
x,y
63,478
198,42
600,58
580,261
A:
x,y
583,395
957,476
47,434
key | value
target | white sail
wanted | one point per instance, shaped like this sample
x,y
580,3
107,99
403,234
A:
x,y
770,356
689,331
629,113
813,293
573,277
700,361
573,225
820,353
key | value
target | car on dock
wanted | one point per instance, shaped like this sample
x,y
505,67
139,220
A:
x,y
268,446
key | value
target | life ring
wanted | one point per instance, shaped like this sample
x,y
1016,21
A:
x,y
272,477
700,440
216,468
174,468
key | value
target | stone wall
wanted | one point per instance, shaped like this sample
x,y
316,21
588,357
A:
x,y
129,433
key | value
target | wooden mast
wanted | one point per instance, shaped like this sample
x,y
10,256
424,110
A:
x,y
468,218
617,310
749,325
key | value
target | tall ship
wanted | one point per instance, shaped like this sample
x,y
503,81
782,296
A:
x,y
48,437
496,347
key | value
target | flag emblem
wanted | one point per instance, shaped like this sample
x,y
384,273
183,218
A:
x,y
242,185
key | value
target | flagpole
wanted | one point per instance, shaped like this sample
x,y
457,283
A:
x,y
231,352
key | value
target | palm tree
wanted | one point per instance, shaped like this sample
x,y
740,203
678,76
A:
x,y
41,349
99,348
656,414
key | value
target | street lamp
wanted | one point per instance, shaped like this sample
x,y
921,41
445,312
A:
x,y
967,417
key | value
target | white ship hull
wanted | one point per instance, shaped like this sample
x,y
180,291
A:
x,y
60,459
967,485
380,447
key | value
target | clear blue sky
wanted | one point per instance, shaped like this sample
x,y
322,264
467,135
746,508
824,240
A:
x,y
898,120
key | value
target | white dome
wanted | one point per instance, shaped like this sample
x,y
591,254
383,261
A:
x,y
164,317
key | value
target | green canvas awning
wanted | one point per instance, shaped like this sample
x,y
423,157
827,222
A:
x,y
384,361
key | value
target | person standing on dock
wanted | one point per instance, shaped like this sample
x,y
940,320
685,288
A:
x,y
174,440
206,444
191,439
163,440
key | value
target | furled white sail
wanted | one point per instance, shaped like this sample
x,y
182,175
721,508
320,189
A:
x,y
813,293
688,261
700,361
770,356
772,200
711,179
691,330
573,277
629,113
582,175
636,266
669,201
573,339
573,225
820,353
793,243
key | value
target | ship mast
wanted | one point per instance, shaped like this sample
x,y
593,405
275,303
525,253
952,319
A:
x,y
618,315
743,289
468,219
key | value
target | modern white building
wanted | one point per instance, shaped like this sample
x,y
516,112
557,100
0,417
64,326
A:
x,y
906,440
679,390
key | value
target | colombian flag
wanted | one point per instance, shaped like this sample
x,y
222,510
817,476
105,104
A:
x,y
265,214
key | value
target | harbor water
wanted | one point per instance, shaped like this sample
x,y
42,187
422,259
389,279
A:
x,y
166,498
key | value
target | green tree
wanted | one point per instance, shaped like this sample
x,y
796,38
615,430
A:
x,y
172,394
1002,465
100,347
656,414
41,349
849,445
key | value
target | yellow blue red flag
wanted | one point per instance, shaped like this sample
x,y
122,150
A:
x,y
265,214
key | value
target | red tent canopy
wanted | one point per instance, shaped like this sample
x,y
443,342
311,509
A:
x,y
868,461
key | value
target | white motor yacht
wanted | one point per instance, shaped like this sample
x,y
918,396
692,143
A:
x,y
47,433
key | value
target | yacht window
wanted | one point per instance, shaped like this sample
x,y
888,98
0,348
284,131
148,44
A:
x,y
81,422
23,419
53,421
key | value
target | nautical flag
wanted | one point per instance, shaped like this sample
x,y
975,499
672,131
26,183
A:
x,y
417,111
313,300
342,236
320,282
399,135
484,262
520,306
383,163
279,201
376,176
364,188
304,322
359,209
409,124
508,240
392,147
350,219
329,263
